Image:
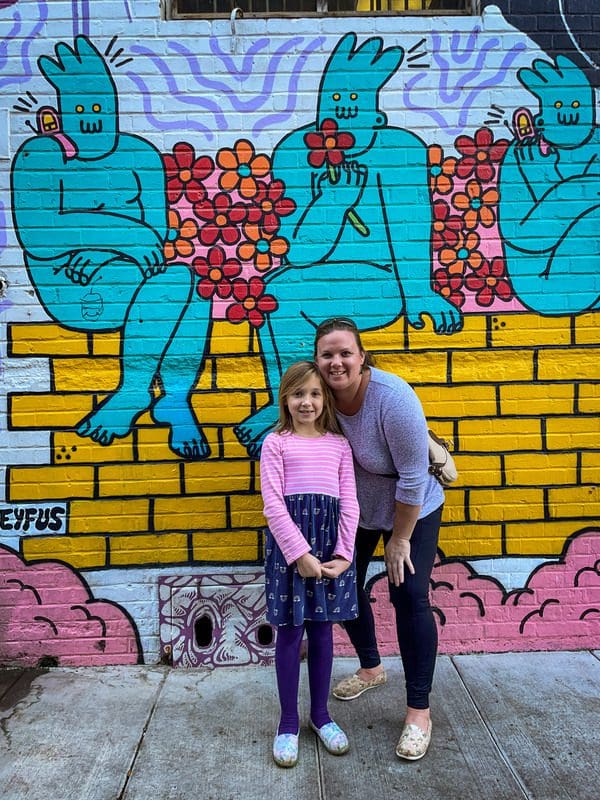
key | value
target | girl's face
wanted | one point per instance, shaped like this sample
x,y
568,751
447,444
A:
x,y
340,360
305,405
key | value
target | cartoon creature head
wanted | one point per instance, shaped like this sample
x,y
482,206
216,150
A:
x,y
87,98
566,117
349,91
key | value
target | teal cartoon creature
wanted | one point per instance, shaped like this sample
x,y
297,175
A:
x,y
90,214
549,193
359,240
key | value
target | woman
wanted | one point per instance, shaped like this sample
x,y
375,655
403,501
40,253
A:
x,y
400,500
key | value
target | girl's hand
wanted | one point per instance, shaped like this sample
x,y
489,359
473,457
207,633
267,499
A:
x,y
397,555
335,567
308,566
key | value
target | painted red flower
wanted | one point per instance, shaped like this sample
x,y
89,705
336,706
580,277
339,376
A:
x,y
327,145
185,173
489,281
269,205
449,286
222,219
216,273
480,155
251,302
446,227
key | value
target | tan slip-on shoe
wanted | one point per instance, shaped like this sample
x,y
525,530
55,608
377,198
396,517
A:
x,y
352,687
413,742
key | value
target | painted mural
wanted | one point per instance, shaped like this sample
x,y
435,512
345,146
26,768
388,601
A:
x,y
181,211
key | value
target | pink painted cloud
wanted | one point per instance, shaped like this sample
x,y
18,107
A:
x,y
557,609
47,614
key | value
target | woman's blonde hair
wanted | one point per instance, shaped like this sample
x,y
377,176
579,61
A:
x,y
293,379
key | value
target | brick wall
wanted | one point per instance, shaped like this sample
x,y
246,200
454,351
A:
x,y
517,389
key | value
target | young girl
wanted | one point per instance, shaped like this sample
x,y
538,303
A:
x,y
309,494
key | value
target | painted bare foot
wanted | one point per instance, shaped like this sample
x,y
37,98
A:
x,y
186,437
251,432
113,418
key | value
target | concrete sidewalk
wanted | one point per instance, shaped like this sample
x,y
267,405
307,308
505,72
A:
x,y
506,727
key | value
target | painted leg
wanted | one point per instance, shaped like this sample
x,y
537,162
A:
x,y
179,371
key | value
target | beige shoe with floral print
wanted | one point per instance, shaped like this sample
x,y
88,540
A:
x,y
352,687
413,742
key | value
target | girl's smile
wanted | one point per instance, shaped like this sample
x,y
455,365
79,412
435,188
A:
x,y
306,406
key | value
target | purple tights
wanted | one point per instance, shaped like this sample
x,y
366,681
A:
x,y
287,667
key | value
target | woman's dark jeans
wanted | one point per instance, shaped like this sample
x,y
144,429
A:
x,y
415,623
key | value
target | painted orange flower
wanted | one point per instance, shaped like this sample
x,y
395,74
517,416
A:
x,y
478,206
242,167
462,255
181,236
261,247
441,170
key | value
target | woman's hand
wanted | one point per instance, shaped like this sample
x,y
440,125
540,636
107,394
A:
x,y
335,567
308,566
397,555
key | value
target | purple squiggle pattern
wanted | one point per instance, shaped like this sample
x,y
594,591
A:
x,y
447,94
26,66
161,125
182,95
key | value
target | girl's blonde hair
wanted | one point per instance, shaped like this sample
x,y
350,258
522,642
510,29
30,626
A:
x,y
293,379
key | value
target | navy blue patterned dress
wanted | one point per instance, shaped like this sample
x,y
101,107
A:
x,y
292,599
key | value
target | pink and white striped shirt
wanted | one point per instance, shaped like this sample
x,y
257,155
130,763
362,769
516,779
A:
x,y
292,464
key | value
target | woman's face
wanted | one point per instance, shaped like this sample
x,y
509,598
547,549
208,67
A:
x,y
340,360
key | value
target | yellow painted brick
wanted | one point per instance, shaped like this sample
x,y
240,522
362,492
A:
x,y
223,409
139,479
538,538
228,338
532,330
232,449
494,366
575,501
470,541
45,339
152,442
540,469
221,477
587,329
589,398
81,552
454,505
590,467
240,373
570,433
499,435
537,398
499,505
46,411
106,344
86,374
71,448
189,513
109,516
458,401
416,367
226,547
34,484
160,548
392,337
473,335
474,470
575,363
205,381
